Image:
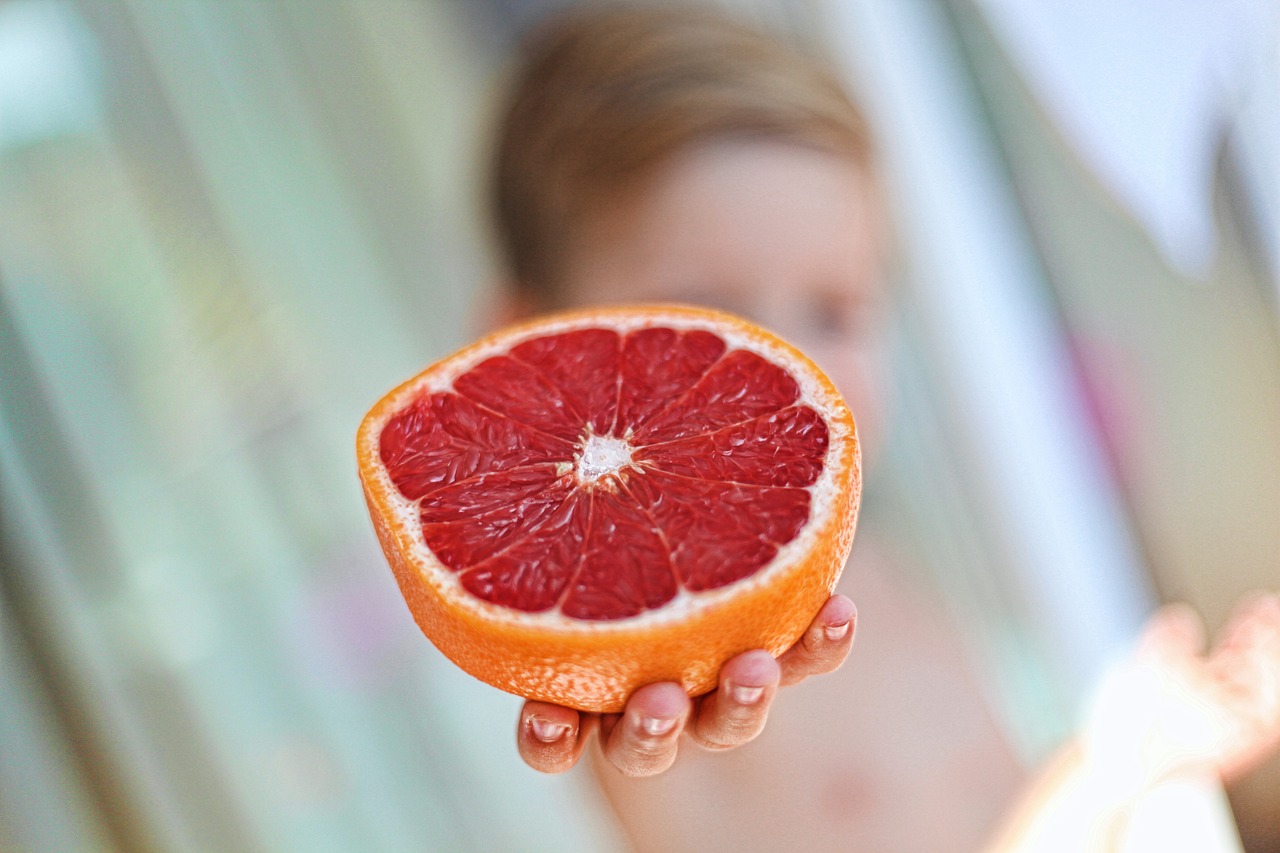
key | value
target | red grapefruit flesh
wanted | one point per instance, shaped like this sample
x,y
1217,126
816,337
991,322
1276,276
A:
x,y
607,475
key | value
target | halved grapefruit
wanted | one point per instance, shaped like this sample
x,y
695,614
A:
x,y
598,500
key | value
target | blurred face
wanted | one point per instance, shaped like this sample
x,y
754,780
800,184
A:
x,y
784,235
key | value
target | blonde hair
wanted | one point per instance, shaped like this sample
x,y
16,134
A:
x,y
606,95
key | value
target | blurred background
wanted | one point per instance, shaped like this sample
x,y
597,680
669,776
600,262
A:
x,y
227,227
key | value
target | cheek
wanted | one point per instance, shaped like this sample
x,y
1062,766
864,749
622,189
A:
x,y
859,373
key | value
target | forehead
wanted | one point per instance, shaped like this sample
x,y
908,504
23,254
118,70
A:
x,y
740,214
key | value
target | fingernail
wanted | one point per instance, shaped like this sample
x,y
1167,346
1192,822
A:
x,y
744,695
656,727
837,631
547,731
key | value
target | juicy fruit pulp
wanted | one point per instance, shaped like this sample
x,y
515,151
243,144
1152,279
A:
x,y
607,498
600,473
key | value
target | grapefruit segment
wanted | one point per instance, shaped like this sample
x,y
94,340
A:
x,y
584,365
739,386
471,520
518,391
595,501
659,365
720,532
784,448
534,572
443,438
626,565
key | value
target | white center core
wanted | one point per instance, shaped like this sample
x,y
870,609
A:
x,y
601,456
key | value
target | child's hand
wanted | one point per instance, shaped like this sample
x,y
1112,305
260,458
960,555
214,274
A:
x,y
1176,709
642,740
1172,710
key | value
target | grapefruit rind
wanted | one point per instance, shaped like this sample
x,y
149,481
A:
x,y
593,665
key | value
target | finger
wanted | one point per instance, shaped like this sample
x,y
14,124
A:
x,y
550,738
644,740
825,643
1246,658
1175,633
736,712
1245,663
1253,623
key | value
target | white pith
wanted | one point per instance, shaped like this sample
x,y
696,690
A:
x,y
605,454
601,456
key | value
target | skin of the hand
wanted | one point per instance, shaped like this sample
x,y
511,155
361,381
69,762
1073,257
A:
x,y
1176,707
644,738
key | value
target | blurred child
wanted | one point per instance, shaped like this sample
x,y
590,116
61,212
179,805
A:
x,y
668,154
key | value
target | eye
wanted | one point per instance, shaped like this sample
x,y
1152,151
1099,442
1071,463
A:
x,y
835,315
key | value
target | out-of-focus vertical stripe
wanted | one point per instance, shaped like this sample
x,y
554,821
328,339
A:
x,y
1026,448
256,218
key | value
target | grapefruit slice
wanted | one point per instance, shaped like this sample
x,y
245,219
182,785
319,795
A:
x,y
598,500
